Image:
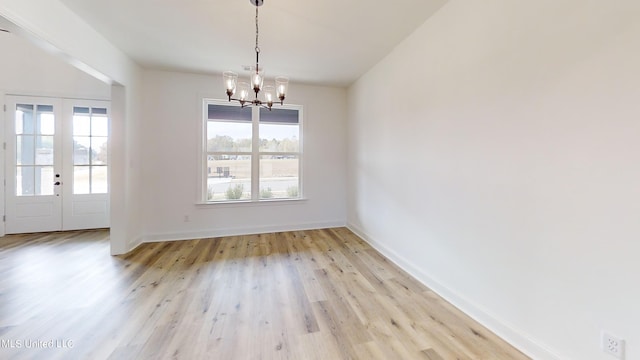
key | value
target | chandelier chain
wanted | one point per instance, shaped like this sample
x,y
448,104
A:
x,y
257,31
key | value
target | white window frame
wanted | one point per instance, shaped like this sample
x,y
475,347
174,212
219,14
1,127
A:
x,y
255,155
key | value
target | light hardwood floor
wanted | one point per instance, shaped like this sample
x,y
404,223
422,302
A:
x,y
320,294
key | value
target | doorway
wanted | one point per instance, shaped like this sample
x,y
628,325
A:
x,y
56,158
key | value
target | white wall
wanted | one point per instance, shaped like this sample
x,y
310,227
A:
x,y
170,162
495,155
26,69
60,31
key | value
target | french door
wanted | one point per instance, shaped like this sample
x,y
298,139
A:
x,y
56,163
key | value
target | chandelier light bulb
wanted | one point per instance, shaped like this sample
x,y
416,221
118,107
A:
x,y
282,83
268,95
257,78
230,80
243,91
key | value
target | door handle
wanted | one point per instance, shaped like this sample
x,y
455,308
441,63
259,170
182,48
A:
x,y
57,183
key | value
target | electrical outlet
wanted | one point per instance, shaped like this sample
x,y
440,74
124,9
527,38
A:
x,y
612,345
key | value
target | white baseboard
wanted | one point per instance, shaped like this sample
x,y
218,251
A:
x,y
121,249
507,332
128,247
135,243
189,235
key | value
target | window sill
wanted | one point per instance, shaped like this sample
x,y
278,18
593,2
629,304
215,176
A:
x,y
250,203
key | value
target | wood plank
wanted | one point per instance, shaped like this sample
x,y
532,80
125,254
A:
x,y
315,294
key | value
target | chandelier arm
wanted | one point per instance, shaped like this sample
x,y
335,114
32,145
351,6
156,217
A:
x,y
247,103
243,103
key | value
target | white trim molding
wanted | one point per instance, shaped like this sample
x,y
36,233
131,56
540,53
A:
x,y
517,338
212,233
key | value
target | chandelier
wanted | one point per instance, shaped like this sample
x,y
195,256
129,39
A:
x,y
243,89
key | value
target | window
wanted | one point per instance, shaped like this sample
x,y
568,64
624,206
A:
x,y
251,154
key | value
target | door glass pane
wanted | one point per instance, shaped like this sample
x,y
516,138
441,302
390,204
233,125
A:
x,y
81,122
81,150
44,180
24,181
98,111
46,124
99,184
99,151
25,150
79,110
81,179
99,125
279,177
45,120
44,150
24,119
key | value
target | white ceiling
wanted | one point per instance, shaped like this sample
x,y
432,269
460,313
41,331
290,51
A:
x,y
327,42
